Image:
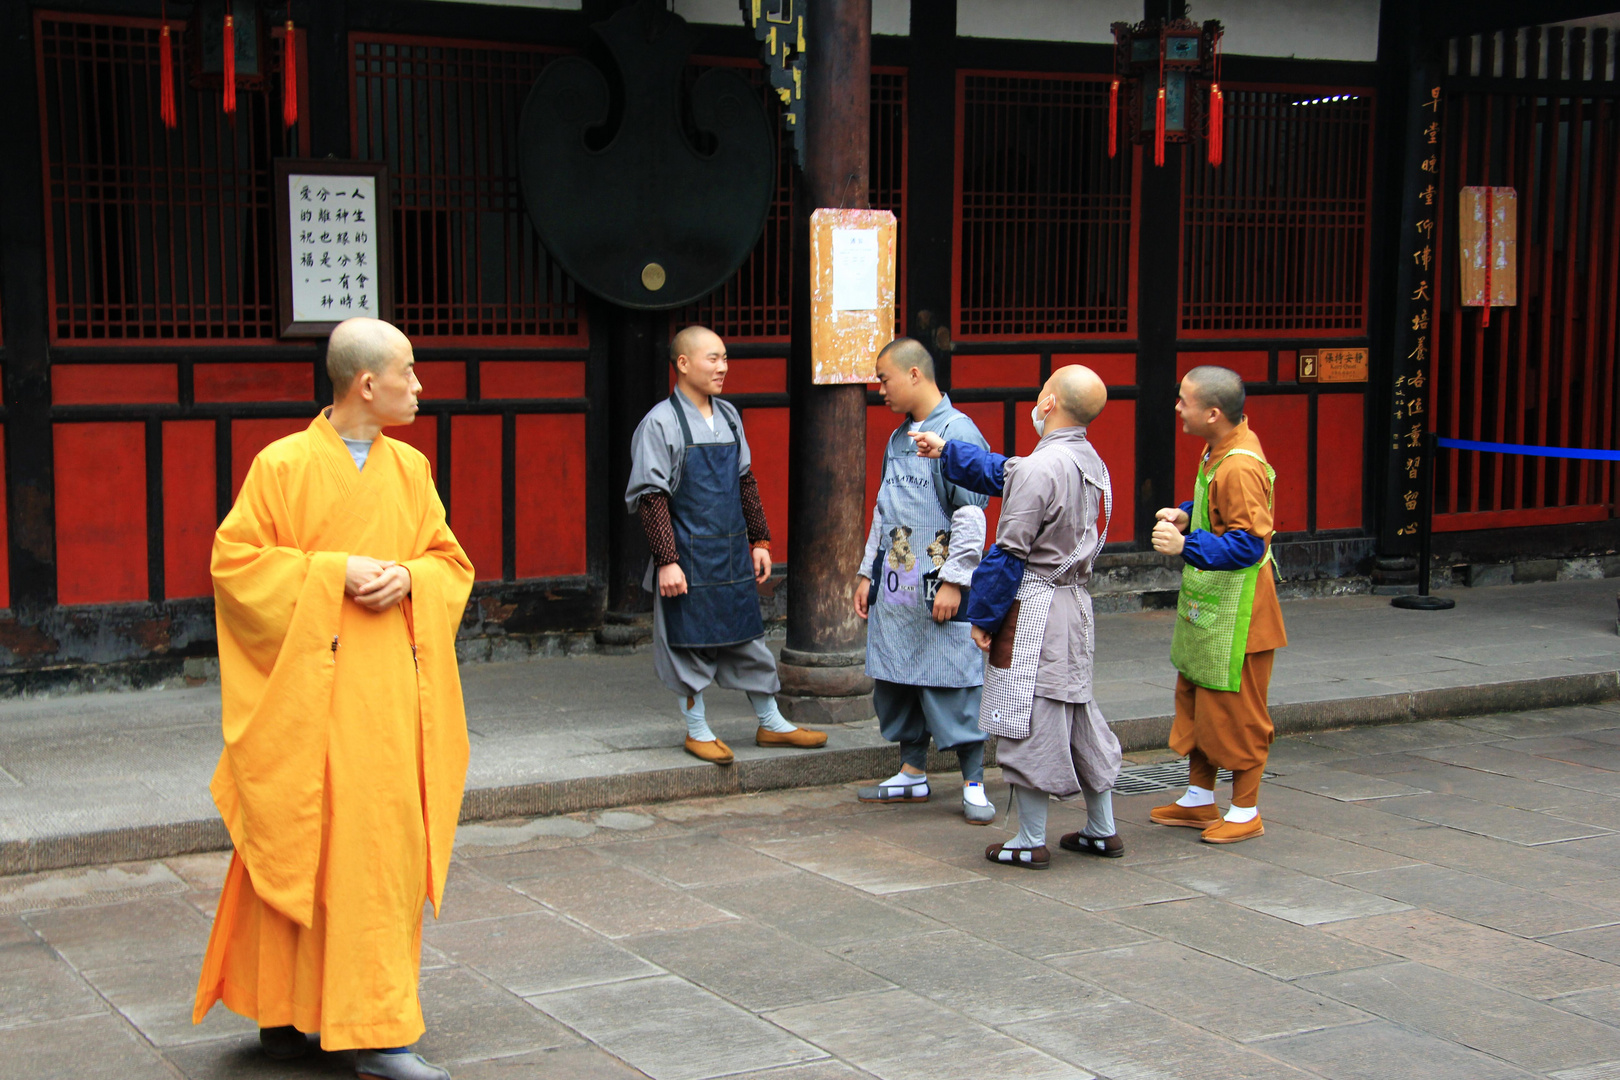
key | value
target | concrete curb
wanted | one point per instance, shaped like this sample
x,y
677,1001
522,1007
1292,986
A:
x,y
546,798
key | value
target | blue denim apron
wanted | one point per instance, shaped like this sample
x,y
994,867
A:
x,y
721,605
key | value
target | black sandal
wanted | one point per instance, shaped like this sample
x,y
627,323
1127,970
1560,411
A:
x,y
1109,847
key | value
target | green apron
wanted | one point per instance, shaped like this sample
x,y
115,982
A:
x,y
1214,607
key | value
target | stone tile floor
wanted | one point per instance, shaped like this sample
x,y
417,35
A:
x,y
1437,900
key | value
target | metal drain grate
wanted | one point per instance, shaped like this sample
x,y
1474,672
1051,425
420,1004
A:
x,y
1163,776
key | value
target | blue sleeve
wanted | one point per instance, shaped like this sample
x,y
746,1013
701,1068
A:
x,y
972,467
1186,508
995,587
1235,549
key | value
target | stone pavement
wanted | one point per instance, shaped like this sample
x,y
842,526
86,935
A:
x,y
106,777
1437,900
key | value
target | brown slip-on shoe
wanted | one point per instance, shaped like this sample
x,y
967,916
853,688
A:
x,y
1193,817
1231,832
1026,858
1109,847
713,751
800,737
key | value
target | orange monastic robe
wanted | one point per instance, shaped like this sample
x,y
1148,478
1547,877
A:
x,y
345,740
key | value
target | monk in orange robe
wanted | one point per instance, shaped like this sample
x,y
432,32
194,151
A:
x,y
338,588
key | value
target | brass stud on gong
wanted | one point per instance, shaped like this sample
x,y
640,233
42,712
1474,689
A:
x,y
652,276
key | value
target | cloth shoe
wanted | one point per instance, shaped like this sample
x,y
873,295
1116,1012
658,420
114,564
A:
x,y
1109,847
800,737
1231,832
977,813
1028,858
713,751
376,1065
1194,817
894,793
283,1043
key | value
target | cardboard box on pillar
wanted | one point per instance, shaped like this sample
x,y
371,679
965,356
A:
x,y
852,264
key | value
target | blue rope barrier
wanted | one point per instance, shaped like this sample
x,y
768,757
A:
x,y
1530,451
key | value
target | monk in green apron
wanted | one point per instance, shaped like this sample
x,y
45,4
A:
x,y
1228,622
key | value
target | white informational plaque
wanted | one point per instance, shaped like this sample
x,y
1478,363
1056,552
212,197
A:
x,y
333,244
855,269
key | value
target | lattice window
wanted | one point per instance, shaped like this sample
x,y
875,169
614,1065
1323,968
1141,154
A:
x,y
1044,248
1275,239
444,115
756,303
155,235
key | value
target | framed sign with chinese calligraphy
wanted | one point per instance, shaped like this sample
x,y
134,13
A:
x,y
333,255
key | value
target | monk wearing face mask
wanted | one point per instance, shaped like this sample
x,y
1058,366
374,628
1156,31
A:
x,y
1032,615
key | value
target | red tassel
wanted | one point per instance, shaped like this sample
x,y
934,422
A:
x,y
1158,133
289,77
1113,117
166,78
230,66
1217,124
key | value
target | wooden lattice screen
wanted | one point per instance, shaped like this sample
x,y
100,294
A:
x,y
1044,216
444,116
1542,118
156,236
756,304
1275,239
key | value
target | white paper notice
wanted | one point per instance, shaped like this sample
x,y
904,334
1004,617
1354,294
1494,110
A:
x,y
855,269
334,246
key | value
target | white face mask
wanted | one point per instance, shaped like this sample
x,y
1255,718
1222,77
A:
x,y
1039,421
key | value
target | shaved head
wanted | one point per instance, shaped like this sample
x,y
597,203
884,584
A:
x,y
1217,388
692,341
907,353
1080,392
361,345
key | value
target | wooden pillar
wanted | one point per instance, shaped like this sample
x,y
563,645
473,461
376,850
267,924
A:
x,y
823,673
637,379
30,465
1410,66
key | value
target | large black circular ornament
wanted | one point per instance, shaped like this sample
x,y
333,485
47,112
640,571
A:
x,y
620,195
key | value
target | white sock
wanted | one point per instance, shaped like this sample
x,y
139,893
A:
x,y
1242,815
973,794
697,726
1197,796
1032,807
1099,813
770,717
903,778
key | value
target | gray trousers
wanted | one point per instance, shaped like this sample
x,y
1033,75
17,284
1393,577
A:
x,y
1070,749
749,667
908,715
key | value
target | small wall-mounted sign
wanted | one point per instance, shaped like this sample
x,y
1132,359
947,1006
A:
x,y
1333,366
852,262
332,243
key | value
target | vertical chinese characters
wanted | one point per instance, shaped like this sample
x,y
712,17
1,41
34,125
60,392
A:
x,y
333,221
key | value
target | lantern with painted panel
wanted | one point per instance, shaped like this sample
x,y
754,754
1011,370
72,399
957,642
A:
x,y
230,50
1168,72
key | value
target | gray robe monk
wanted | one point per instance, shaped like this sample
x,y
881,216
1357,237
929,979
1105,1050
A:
x,y
656,450
1047,512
